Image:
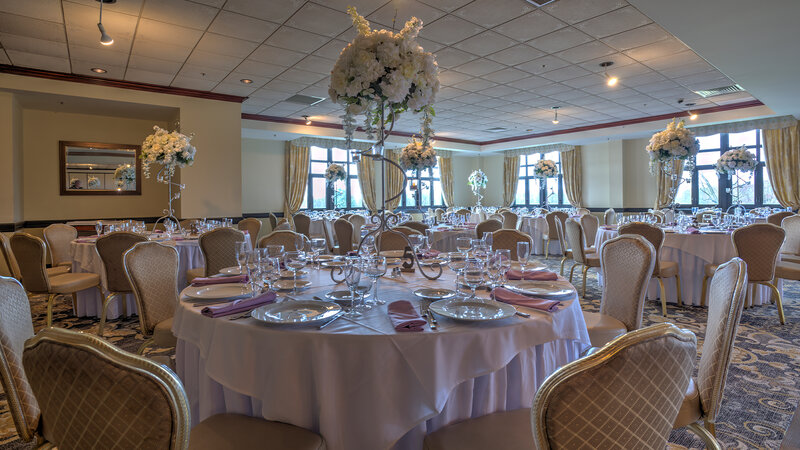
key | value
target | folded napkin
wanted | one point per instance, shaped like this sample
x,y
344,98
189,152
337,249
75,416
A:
x,y
429,254
405,317
205,281
512,298
238,306
607,227
538,275
692,230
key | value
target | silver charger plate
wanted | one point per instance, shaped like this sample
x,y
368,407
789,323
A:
x,y
344,295
296,312
435,294
540,288
218,291
231,271
473,310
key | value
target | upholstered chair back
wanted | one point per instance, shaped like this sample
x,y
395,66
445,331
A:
x,y
406,230
152,271
358,222
652,233
273,221
610,217
302,224
574,234
463,212
219,248
625,395
506,239
111,247
660,216
94,395
15,328
58,237
439,214
487,226
252,226
344,234
728,291
283,224
590,224
551,217
626,263
758,245
419,226
497,217
777,218
791,225
392,240
30,252
583,211
8,257
510,220
287,238
327,231
562,240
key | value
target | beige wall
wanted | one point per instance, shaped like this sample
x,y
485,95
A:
x,y
462,167
11,203
639,187
262,175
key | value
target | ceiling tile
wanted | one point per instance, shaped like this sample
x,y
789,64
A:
x,y
297,40
516,55
239,89
543,64
316,64
499,91
451,57
301,76
678,59
182,81
479,67
332,49
449,92
490,13
237,77
553,88
506,75
38,61
49,10
275,55
530,83
617,21
215,60
620,62
451,77
687,69
146,76
637,37
106,56
573,11
130,7
645,78
565,73
147,64
160,50
531,25
269,95
33,45
657,49
278,10
180,12
364,7
584,81
30,27
81,67
560,40
322,20
155,31
289,87
400,12
475,84
259,69
449,30
584,52
243,27
81,26
205,73
225,45
485,43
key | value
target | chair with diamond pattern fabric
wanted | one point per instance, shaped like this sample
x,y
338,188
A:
x,y
219,251
110,248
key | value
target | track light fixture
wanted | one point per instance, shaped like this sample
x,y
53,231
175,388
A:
x,y
610,81
105,39
555,116
692,115
308,121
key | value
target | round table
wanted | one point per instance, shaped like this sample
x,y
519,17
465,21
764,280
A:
x,y
536,228
692,252
445,238
361,384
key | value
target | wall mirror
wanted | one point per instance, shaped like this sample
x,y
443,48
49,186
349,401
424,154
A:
x,y
95,168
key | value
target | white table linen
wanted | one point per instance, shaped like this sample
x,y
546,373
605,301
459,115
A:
x,y
536,228
362,385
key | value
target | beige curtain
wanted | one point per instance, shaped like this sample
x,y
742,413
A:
x,y
295,178
394,180
510,178
366,178
664,196
782,156
446,171
572,174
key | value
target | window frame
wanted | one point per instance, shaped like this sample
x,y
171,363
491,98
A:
x,y
542,183
419,177
309,194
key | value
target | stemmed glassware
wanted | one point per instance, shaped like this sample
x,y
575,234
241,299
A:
x,y
473,275
463,244
457,262
317,246
242,249
253,270
494,269
505,261
98,227
294,261
487,240
270,269
375,267
352,271
416,241
523,255
368,247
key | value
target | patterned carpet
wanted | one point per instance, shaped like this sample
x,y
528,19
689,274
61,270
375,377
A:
x,y
761,394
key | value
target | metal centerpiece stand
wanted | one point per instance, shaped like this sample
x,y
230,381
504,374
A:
x,y
737,206
169,212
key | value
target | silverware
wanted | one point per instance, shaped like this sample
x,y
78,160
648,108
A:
x,y
431,322
330,321
243,316
433,318
522,314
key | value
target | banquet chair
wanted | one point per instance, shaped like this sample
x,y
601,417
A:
x,y
659,215
574,234
219,251
358,222
663,269
790,250
252,226
419,226
551,234
627,263
31,255
562,242
302,224
273,221
704,395
152,271
777,218
110,248
590,224
505,239
58,237
330,237
758,245
610,217
11,262
463,212
439,214
487,226
344,235
287,238
582,211
283,224
345,216
623,396
391,240
497,217
406,230
510,220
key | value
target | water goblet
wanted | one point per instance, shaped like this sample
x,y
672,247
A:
x,y
416,241
253,270
463,244
352,271
270,271
473,275
98,227
274,250
294,261
242,249
523,255
456,261
375,267
317,246
487,240
494,269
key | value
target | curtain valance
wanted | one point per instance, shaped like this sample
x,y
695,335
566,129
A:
x,y
539,149
769,123
310,141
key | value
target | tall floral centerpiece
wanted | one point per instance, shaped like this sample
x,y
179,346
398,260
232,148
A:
x,y
170,150
125,175
477,182
333,174
382,74
675,143
93,182
417,156
544,169
738,164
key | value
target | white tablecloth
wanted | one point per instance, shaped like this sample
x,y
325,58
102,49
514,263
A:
x,y
692,252
362,385
444,240
536,227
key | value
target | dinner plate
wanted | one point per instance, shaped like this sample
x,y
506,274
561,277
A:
x,y
432,261
541,288
296,312
290,284
435,294
332,264
393,261
324,257
218,291
473,310
392,253
290,274
344,295
231,271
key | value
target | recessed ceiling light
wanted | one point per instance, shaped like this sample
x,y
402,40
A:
x,y
611,81
555,117
246,80
98,70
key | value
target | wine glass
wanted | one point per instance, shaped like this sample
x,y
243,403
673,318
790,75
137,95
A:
x,y
456,262
375,267
494,269
487,240
253,270
473,275
463,244
242,249
270,270
274,250
299,242
98,227
523,255
294,261
317,246
505,260
416,241
352,270
368,246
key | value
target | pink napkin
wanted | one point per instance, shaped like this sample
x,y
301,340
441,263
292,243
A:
x,y
513,298
238,306
538,275
205,281
607,227
429,254
692,230
404,316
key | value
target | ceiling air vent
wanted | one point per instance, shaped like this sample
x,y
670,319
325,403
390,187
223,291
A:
x,y
307,100
540,2
720,91
497,130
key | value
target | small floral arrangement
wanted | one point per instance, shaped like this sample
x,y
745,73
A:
x,y
477,180
125,175
334,173
75,183
545,168
94,182
738,159
170,149
417,156
675,142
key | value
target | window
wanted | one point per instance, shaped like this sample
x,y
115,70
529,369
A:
x,y
321,195
708,188
531,191
423,190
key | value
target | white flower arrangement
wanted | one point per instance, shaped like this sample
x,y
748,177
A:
x,y
93,182
477,180
417,156
75,183
738,159
675,142
125,175
170,149
334,173
545,168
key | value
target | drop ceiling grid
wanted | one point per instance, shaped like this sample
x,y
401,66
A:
x,y
492,52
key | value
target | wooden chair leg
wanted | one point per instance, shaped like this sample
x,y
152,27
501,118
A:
x,y
572,270
777,295
703,292
663,296
678,287
585,273
50,300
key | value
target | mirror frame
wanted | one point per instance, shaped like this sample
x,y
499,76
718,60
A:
x,y
62,166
